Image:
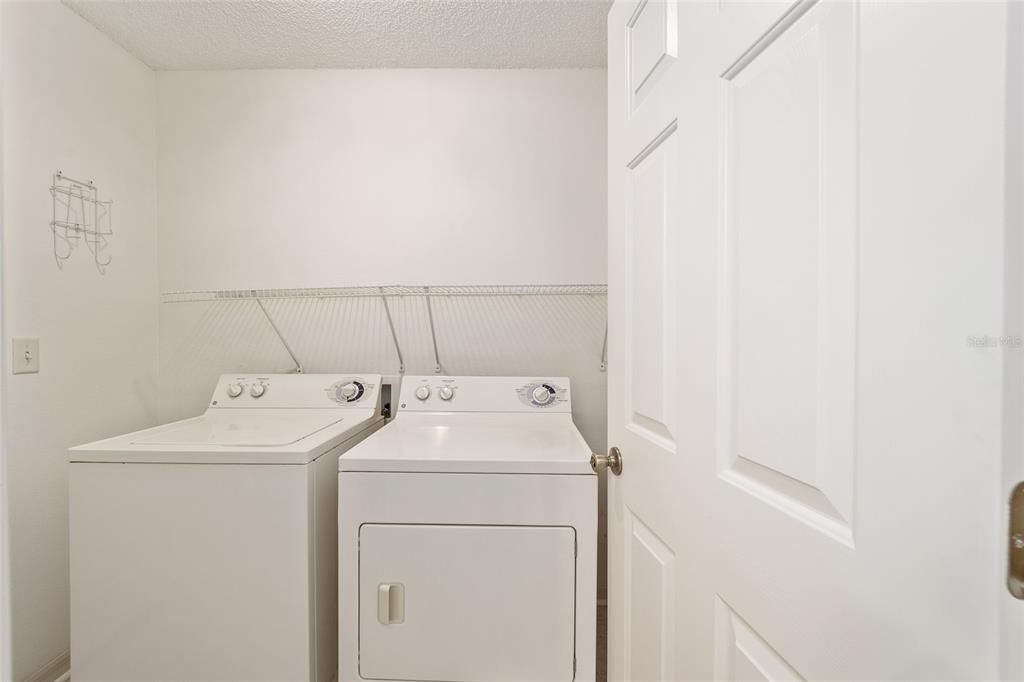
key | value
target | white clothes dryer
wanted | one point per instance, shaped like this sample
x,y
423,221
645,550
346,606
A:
x,y
468,537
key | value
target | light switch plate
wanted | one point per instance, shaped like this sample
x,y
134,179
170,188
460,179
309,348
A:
x,y
26,356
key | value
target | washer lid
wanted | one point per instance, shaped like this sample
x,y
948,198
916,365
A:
x,y
249,428
236,436
473,443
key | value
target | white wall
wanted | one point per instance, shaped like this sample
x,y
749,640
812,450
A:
x,y
333,178
269,179
72,100
368,177
5,583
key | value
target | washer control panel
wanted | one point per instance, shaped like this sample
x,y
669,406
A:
x,y
484,394
240,387
542,394
296,390
353,390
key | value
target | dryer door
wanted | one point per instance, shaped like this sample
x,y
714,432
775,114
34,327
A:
x,y
460,603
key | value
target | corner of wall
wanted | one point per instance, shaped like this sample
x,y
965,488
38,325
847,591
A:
x,y
98,332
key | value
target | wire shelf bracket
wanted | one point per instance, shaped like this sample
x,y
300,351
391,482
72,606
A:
x,y
391,326
280,336
433,333
604,350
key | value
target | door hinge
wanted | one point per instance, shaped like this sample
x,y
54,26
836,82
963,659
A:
x,y
1015,550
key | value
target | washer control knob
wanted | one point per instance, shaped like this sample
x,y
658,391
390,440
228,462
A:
x,y
423,392
257,390
541,395
349,391
446,392
235,390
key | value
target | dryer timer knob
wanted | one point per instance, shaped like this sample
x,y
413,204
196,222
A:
x,y
349,391
234,390
541,395
423,392
257,390
446,393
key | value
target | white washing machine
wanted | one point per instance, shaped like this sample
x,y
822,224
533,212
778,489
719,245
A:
x,y
206,549
468,537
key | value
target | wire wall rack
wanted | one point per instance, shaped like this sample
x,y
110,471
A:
x,y
79,216
384,294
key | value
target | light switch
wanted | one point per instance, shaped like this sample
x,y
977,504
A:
x,y
26,356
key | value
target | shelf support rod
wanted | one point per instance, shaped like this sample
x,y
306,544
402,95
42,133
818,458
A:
x,y
391,326
604,349
433,334
280,336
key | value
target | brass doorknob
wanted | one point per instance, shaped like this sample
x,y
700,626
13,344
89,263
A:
x,y
612,461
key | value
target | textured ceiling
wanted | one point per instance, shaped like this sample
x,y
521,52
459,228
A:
x,y
271,34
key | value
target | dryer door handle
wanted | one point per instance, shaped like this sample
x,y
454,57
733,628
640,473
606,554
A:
x,y
391,603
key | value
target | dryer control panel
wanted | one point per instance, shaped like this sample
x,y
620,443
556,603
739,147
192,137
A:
x,y
485,394
296,390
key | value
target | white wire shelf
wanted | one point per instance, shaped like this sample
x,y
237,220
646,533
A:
x,y
390,291
428,296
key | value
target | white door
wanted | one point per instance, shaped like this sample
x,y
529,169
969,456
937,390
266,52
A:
x,y
807,258
1012,610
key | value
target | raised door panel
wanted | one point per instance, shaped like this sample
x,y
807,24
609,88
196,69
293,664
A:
x,y
789,268
650,605
650,293
742,655
651,40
